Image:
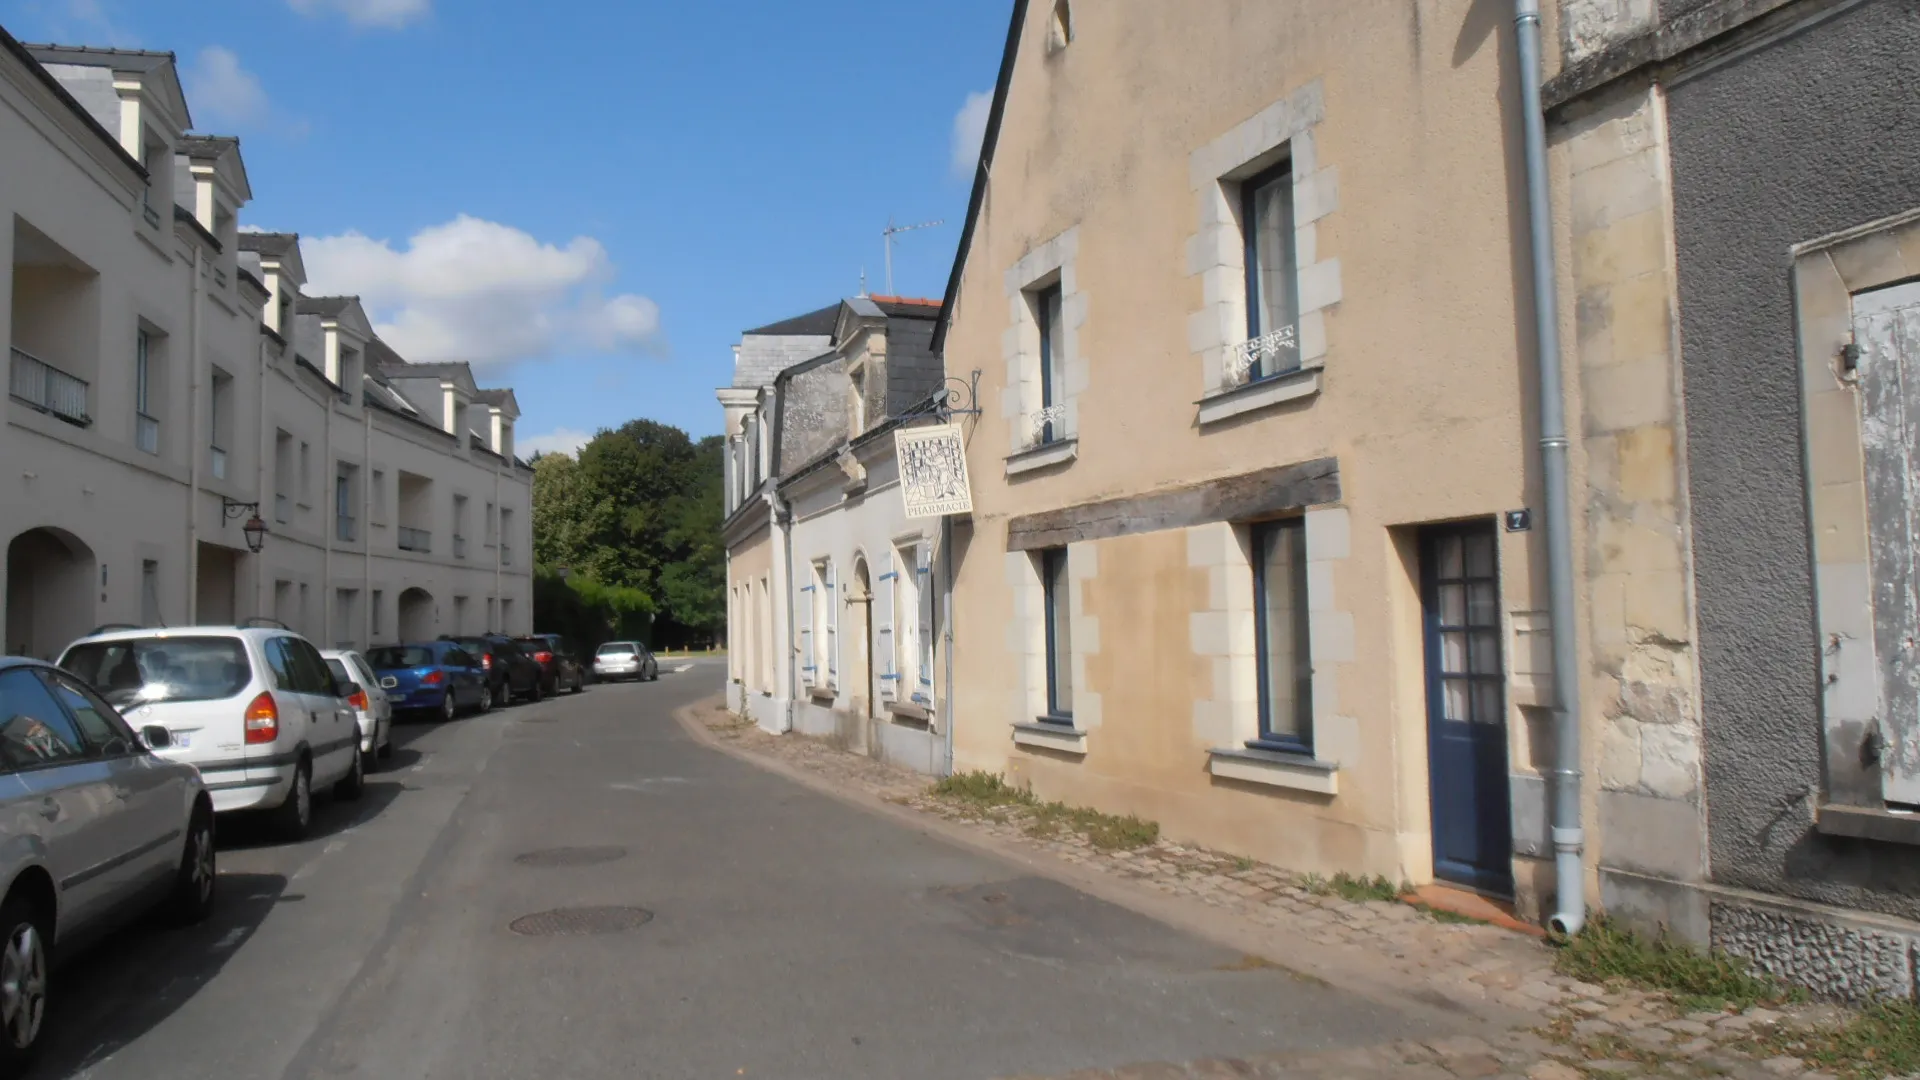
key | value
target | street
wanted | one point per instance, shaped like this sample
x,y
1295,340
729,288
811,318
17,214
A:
x,y
791,935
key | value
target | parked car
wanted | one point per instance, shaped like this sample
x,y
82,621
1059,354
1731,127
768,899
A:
x,y
88,803
371,706
559,661
254,708
434,676
510,671
625,660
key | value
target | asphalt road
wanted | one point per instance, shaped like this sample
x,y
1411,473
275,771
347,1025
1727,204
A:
x,y
791,935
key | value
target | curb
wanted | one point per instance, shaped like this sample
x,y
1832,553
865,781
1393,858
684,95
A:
x,y
1304,958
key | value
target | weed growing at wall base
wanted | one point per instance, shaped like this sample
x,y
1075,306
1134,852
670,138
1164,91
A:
x,y
1606,951
988,792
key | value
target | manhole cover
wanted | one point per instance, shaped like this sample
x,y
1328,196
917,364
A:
x,y
580,921
571,856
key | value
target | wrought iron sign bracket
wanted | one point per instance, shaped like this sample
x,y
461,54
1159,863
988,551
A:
x,y
955,397
234,511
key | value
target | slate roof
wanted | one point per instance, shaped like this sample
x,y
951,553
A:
x,y
142,60
907,307
493,397
813,324
269,243
207,146
25,55
327,307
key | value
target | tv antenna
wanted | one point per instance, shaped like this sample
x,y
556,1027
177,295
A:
x,y
892,231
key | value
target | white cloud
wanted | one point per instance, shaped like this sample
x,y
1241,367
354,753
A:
x,y
391,14
220,90
484,292
100,26
562,440
969,130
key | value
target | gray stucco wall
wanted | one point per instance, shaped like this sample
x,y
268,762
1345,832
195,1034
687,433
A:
x,y
763,356
813,413
1797,140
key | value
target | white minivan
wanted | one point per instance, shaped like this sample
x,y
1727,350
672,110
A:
x,y
254,708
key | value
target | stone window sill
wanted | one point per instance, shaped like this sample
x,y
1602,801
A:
x,y
1046,735
1869,823
911,714
1274,769
1057,452
1254,396
822,693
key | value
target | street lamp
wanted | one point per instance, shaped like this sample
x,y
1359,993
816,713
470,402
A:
x,y
255,529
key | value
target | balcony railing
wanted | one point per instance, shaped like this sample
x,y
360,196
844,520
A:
x,y
219,463
344,528
219,277
146,433
419,540
459,546
152,215
282,512
36,383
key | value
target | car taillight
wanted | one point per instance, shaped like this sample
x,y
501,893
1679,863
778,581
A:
x,y
543,657
358,699
435,678
486,661
263,720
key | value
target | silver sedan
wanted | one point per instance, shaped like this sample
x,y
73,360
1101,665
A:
x,y
94,830
624,660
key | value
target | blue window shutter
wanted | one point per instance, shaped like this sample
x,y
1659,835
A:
x,y
883,627
923,592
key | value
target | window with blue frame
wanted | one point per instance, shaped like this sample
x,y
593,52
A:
x,y
1053,357
1281,644
1053,580
1273,300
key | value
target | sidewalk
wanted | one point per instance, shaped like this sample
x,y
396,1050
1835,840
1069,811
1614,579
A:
x,y
1538,1023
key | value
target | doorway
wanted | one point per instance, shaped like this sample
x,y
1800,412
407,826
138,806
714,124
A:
x,y
416,615
50,592
1466,707
219,571
861,601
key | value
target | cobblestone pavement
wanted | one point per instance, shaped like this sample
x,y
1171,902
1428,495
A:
x,y
1582,1030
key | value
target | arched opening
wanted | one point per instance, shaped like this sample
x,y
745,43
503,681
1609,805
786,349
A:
x,y
860,601
50,592
416,615
1060,29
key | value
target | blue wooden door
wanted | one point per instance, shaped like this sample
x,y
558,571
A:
x,y
1466,708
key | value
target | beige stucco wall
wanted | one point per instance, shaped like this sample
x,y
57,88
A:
x,y
1412,252
750,612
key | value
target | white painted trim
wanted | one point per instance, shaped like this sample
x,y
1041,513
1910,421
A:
x,y
1057,452
1066,740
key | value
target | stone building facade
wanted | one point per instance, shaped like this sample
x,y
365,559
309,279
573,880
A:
x,y
1247,399
1740,209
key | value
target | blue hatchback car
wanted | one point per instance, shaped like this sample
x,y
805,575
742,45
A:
x,y
433,676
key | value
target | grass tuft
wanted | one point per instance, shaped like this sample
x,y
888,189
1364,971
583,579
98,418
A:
x,y
1881,1040
1348,887
1606,951
990,792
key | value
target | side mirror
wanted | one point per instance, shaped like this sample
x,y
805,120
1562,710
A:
x,y
155,737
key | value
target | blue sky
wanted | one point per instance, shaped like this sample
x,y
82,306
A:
x,y
589,199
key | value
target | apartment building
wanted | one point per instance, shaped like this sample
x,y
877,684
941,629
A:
x,y
1255,401
188,437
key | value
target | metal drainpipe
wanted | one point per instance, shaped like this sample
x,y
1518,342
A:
x,y
779,511
946,617
193,452
366,510
1570,897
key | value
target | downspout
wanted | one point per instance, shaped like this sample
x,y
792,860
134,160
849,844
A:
x,y
780,515
260,467
366,512
193,450
499,542
947,716
1570,897
329,509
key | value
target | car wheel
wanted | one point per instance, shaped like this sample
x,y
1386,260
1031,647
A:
x,y
295,816
535,692
351,785
580,682
192,898
23,981
449,708
486,698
